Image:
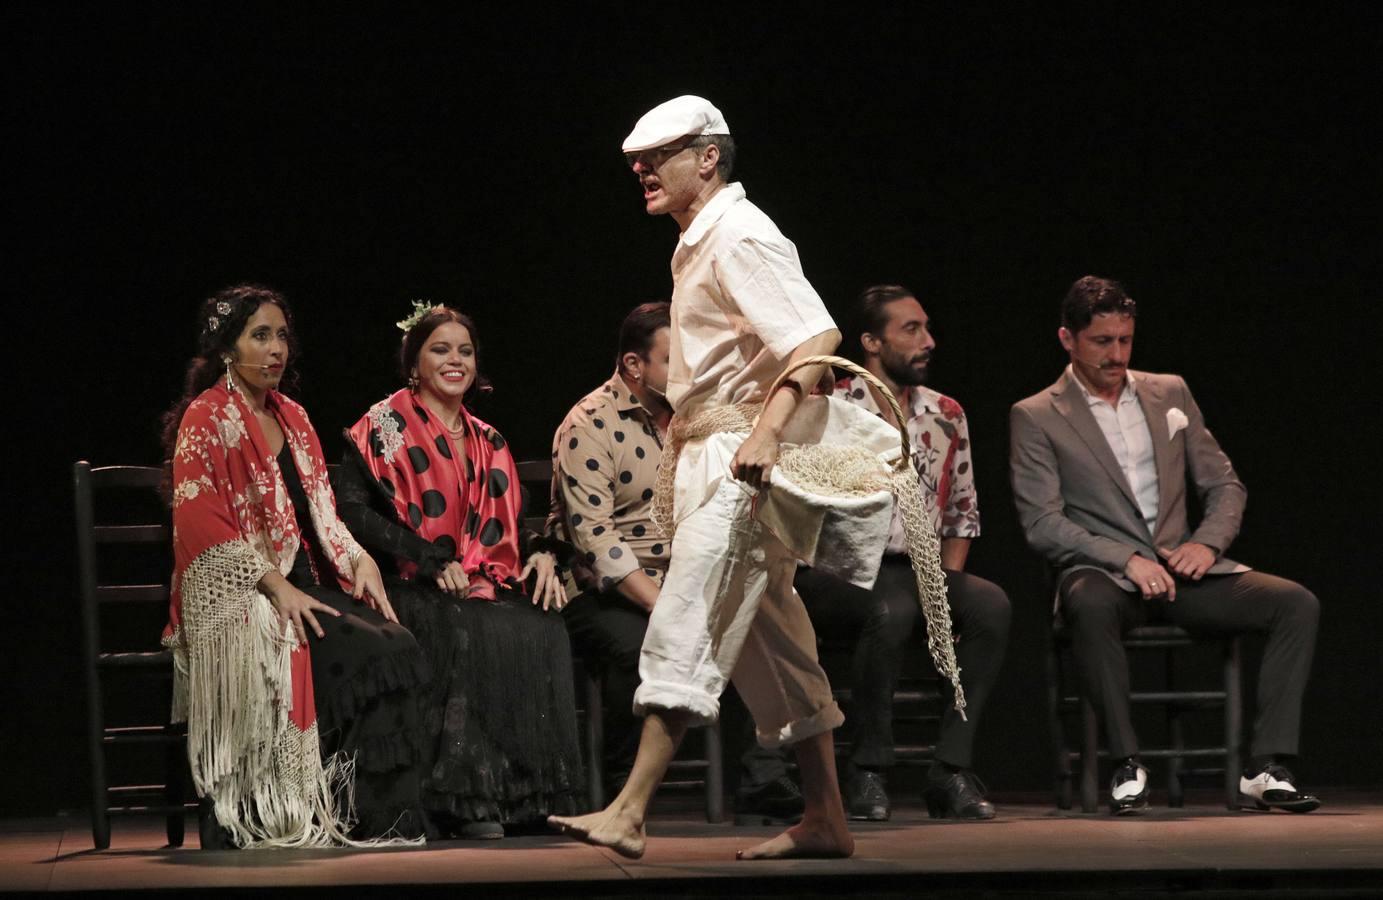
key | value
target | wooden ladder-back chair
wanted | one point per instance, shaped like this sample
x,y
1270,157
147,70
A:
x,y
104,564
1064,698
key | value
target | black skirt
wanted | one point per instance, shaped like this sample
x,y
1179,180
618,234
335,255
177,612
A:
x,y
366,676
499,719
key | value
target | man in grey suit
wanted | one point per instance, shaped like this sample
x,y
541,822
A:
x,y
1100,463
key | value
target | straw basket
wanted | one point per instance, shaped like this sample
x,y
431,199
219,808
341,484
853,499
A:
x,y
841,473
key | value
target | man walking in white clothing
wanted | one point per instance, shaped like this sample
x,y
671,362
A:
x,y
742,313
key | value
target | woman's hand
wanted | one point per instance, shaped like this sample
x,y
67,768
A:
x,y
294,606
454,581
548,586
369,586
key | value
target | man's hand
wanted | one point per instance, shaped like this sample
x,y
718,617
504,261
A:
x,y
1150,578
755,458
547,587
758,454
1190,560
640,589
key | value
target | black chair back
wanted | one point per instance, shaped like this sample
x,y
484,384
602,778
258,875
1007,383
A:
x,y
535,477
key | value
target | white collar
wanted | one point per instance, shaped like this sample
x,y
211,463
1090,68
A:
x,y
1130,391
922,400
712,212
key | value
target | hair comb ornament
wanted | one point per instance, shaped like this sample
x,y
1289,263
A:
x,y
213,322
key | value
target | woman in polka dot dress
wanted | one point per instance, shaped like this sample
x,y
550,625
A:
x,y
432,487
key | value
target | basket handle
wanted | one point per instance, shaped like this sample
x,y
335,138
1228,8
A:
x,y
884,393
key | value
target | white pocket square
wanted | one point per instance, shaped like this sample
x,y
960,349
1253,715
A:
x,y
1176,420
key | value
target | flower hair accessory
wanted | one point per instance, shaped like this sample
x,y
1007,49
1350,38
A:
x,y
420,308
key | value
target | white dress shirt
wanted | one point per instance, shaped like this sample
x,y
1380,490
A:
x,y
1126,431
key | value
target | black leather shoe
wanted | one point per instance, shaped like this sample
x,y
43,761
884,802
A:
x,y
212,835
956,795
1274,788
480,831
866,800
779,802
1128,789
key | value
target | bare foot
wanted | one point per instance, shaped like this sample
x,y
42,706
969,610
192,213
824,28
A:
x,y
809,840
606,828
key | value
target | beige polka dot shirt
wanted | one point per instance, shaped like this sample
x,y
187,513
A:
x,y
605,459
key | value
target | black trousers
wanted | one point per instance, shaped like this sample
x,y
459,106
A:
x,y
1097,613
607,632
880,623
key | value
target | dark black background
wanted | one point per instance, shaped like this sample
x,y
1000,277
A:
x,y
1220,162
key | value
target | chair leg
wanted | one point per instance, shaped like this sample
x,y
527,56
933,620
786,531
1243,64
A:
x,y
100,796
595,742
1176,794
715,775
100,818
1234,722
174,761
100,823
1061,757
1089,757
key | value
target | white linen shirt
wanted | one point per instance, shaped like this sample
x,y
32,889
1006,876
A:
x,y
1126,431
740,305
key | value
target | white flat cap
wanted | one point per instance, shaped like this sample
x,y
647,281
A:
x,y
668,121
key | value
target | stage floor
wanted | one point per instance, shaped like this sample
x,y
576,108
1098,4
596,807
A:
x,y
1030,849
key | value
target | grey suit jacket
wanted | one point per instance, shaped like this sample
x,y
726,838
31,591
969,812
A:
x,y
1075,504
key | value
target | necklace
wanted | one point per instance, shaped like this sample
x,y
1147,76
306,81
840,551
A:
x,y
438,414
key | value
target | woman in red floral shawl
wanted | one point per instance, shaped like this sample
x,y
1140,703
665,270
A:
x,y
296,680
433,488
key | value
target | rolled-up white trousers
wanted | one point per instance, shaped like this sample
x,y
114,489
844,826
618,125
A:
x,y
727,612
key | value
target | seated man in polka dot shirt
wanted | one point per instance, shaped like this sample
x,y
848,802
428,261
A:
x,y
606,456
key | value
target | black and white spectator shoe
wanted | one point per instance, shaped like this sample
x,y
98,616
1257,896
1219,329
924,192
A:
x,y
1128,789
1274,788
